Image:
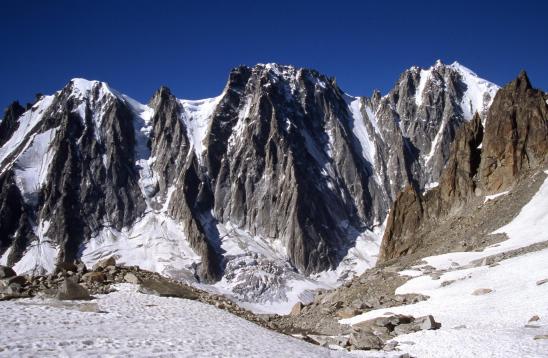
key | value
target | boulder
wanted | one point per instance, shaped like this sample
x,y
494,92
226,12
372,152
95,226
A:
x,y
348,312
6,272
534,318
297,309
102,264
94,277
71,290
427,322
365,340
165,288
21,280
482,291
131,278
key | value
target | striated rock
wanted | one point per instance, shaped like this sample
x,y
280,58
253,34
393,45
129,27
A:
x,y
71,290
404,219
278,139
516,136
514,141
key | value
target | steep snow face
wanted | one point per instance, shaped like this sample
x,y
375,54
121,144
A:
x,y
31,168
128,323
424,77
477,97
259,277
359,129
197,117
27,124
479,92
142,125
41,255
155,243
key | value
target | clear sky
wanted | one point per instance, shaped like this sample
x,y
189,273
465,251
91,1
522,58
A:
x,y
190,46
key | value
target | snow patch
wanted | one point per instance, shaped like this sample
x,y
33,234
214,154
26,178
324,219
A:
x,y
424,77
31,167
155,243
197,117
360,130
479,92
494,196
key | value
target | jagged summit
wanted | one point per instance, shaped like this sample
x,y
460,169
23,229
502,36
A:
x,y
188,188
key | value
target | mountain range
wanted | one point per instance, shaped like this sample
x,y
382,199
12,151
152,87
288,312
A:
x,y
280,185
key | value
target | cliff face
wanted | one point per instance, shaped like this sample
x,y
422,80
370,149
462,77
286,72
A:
x,y
481,162
282,167
516,138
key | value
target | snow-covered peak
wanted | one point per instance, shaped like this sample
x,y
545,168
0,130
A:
x,y
478,95
479,92
197,117
81,87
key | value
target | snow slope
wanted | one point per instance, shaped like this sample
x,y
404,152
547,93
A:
x,y
127,323
492,324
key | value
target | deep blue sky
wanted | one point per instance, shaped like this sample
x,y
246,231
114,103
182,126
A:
x,y
190,46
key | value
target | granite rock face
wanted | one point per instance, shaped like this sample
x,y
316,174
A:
x,y
517,136
480,162
283,154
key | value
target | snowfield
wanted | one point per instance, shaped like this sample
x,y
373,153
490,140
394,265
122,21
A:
x,y
130,324
489,324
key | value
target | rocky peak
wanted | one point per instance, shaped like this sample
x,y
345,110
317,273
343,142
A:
x,y
9,123
516,136
514,141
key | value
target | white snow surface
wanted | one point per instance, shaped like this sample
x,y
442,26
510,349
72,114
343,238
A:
x,y
197,117
27,123
40,256
259,267
479,93
494,196
492,324
138,325
424,77
155,243
360,130
32,165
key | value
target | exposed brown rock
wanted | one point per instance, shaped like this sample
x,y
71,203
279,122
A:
x,y
515,141
405,217
516,134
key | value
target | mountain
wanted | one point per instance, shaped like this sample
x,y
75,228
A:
x,y
483,161
469,254
277,186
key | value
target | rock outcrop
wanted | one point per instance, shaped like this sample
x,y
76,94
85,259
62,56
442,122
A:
x,y
481,162
516,136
